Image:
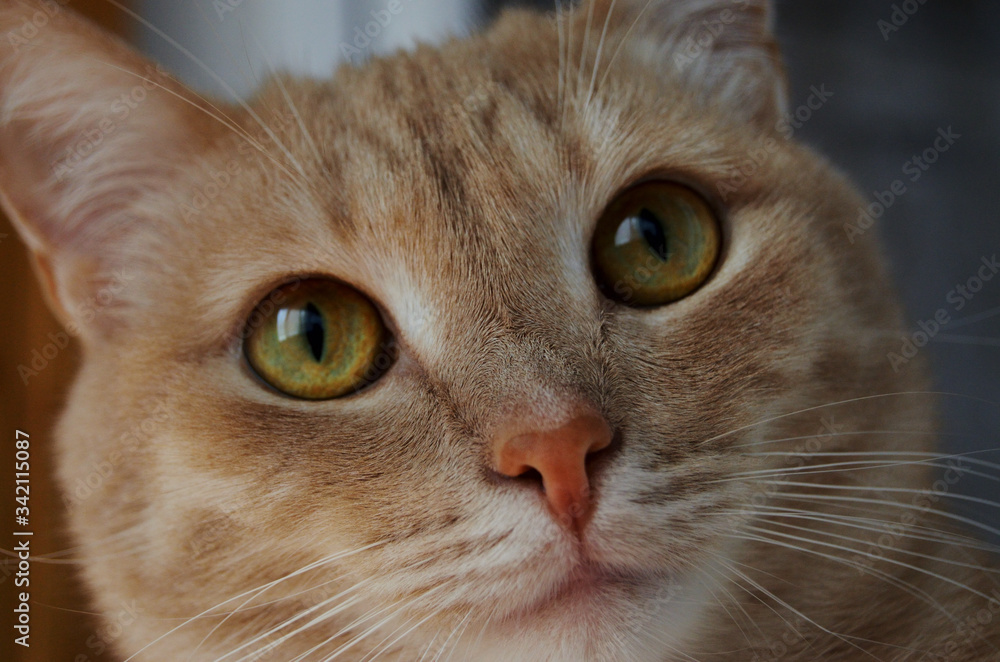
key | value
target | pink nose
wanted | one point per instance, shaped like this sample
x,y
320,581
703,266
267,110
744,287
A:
x,y
560,457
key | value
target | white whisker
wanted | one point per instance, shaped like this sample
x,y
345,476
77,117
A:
x,y
253,591
218,79
597,56
865,398
583,55
914,531
623,40
798,613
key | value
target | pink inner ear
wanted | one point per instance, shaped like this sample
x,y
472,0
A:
x,y
722,49
76,154
87,127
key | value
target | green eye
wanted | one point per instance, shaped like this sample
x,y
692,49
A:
x,y
316,339
655,244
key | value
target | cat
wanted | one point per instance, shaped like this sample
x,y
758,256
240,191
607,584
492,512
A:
x,y
542,344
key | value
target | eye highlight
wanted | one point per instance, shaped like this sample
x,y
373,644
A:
x,y
656,243
322,340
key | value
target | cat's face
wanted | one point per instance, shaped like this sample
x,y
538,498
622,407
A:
x,y
460,191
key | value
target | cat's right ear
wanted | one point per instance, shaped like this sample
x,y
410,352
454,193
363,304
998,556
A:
x,y
88,129
722,50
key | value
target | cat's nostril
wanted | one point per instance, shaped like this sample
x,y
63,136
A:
x,y
531,475
557,461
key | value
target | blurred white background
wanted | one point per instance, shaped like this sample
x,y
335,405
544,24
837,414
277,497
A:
x,y
239,41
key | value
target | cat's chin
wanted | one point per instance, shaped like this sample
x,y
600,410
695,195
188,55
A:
x,y
587,587
586,576
595,613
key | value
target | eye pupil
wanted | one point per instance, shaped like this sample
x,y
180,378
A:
x,y
315,332
651,228
325,340
654,244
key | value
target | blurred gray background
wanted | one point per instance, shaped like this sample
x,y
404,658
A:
x,y
893,91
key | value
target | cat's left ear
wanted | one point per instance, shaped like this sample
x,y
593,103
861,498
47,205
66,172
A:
x,y
89,132
722,50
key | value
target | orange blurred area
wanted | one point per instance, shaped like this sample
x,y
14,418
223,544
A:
x,y
62,627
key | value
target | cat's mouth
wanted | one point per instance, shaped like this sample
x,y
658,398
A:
x,y
587,586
